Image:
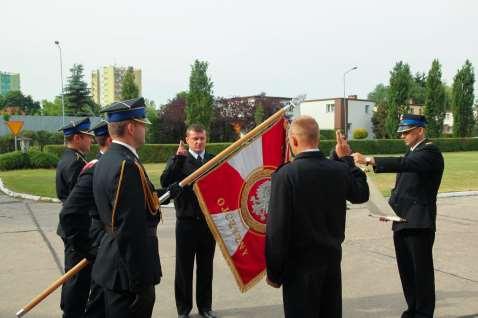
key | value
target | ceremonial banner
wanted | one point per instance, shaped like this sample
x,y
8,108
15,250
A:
x,y
234,198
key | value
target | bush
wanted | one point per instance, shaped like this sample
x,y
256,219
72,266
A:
x,y
14,160
40,159
327,134
149,153
7,143
360,133
153,153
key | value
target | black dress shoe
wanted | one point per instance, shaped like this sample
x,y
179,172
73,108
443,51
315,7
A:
x,y
207,314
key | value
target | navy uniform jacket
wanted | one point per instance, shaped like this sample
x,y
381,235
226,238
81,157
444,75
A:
x,y
178,168
128,258
419,175
67,171
79,217
306,222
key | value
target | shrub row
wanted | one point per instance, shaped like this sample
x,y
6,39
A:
x,y
39,139
32,159
149,153
152,153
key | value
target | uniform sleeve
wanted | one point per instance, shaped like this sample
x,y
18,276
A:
x,y
73,173
173,171
75,219
130,228
278,227
357,190
428,159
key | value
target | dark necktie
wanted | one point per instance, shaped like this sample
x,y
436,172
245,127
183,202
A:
x,y
199,159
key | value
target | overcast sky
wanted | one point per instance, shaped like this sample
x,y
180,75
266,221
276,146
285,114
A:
x,y
283,48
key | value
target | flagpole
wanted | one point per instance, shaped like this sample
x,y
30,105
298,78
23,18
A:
x,y
223,155
60,281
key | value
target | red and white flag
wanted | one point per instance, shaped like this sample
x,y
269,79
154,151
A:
x,y
234,198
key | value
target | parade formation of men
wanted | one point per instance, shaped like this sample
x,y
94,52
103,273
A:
x,y
111,211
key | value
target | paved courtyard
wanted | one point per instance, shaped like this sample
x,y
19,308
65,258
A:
x,y
31,258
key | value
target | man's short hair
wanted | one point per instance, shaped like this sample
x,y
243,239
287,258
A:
x,y
306,128
69,139
118,129
101,140
195,128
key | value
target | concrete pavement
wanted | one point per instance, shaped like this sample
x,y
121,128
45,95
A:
x,y
31,258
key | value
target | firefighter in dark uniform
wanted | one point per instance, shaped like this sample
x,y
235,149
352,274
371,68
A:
x,y
74,293
193,237
306,223
80,221
419,174
127,265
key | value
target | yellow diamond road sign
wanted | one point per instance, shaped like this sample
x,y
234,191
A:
x,y
15,126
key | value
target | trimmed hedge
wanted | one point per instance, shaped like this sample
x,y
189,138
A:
x,y
149,153
397,146
32,159
43,160
14,160
152,153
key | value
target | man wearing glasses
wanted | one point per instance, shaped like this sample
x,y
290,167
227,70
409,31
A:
x,y
419,174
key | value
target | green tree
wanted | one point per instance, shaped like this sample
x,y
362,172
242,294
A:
x,y
152,115
401,82
462,101
52,108
259,114
435,100
25,104
78,101
418,90
129,89
380,96
199,108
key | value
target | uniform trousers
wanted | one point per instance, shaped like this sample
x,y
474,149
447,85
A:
x,y
95,308
74,293
413,249
129,305
193,241
313,291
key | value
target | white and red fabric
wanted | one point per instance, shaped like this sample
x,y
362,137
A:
x,y
234,198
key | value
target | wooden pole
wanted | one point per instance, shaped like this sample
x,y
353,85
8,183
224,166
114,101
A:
x,y
60,281
223,155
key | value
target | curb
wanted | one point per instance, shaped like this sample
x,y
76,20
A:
x,y
25,195
13,194
457,194
171,205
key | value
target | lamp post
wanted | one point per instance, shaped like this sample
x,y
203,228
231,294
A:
x,y
61,80
346,108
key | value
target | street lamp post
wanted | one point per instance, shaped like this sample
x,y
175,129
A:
x,y
346,104
61,80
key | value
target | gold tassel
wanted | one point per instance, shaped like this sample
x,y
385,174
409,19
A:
x,y
150,198
117,197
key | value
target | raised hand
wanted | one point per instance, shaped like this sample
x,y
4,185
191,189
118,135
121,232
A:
x,y
181,150
342,148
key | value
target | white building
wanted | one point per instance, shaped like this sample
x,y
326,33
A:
x,y
333,113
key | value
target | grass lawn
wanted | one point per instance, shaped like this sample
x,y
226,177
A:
x,y
461,174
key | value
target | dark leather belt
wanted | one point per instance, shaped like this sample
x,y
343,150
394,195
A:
x,y
150,231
